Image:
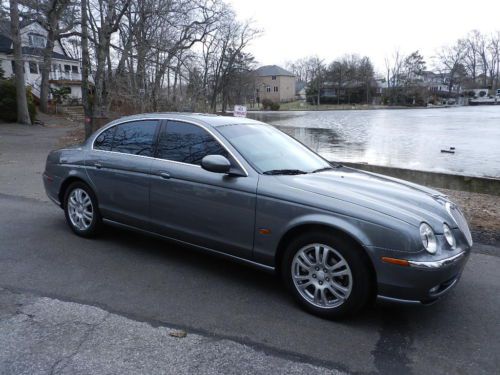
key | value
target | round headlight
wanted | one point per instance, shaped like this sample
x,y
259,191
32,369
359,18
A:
x,y
448,234
428,238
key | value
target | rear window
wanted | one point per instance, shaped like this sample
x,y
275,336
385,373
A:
x,y
105,140
136,138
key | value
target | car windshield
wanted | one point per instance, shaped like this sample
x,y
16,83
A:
x,y
271,151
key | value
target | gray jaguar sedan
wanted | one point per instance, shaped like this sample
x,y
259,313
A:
x,y
337,236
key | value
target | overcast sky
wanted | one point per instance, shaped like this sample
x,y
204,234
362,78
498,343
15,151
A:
x,y
331,28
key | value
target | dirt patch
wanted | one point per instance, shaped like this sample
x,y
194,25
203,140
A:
x,y
72,137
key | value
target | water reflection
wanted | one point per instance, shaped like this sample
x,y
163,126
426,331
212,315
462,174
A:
x,y
403,138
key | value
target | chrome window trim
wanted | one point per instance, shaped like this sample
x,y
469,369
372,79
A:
x,y
217,138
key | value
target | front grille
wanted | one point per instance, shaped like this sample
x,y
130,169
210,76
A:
x,y
459,218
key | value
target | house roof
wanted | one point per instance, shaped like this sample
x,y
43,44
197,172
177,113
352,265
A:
x,y
272,70
6,43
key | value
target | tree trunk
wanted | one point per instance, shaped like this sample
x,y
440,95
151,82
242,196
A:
x,y
47,62
54,12
23,116
85,71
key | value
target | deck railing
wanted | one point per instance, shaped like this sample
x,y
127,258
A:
x,y
67,76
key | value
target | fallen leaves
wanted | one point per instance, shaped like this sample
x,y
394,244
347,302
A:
x,y
178,333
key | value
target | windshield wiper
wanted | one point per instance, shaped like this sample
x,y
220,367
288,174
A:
x,y
322,169
327,168
284,171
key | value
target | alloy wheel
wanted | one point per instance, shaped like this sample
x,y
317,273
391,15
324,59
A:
x,y
321,275
80,209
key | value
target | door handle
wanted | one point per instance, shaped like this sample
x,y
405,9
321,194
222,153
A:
x,y
98,165
164,175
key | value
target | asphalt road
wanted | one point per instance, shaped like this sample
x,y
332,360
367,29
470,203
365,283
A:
x,y
150,280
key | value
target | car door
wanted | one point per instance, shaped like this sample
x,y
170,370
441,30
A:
x,y
188,203
119,167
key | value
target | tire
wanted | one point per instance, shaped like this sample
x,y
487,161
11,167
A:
x,y
81,210
346,286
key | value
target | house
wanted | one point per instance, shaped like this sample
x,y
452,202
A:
x,y
438,84
274,83
65,71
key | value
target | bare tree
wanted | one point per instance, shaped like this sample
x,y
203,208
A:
x,y
50,14
494,49
450,61
85,70
104,19
23,116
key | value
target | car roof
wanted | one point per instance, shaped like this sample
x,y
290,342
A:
x,y
204,118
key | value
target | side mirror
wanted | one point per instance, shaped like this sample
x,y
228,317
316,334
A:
x,y
216,164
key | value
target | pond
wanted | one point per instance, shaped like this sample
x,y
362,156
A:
x,y
406,138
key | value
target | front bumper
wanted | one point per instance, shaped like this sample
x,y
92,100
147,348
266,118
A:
x,y
423,280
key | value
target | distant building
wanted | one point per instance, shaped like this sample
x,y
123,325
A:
x,y
300,90
438,84
65,71
274,83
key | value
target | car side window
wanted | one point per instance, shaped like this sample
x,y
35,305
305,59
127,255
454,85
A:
x,y
187,143
105,140
136,137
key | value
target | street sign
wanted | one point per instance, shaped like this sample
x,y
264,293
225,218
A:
x,y
240,111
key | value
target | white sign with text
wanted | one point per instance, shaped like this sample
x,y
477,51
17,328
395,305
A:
x,y
240,111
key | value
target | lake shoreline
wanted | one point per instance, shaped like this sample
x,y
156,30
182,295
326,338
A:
x,y
352,108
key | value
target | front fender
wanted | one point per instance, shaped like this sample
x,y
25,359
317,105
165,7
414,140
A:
x,y
281,217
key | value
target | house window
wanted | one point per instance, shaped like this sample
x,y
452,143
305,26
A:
x,y
56,67
74,69
37,41
67,68
268,89
273,78
275,88
33,67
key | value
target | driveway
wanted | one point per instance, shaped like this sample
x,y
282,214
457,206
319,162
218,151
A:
x,y
147,287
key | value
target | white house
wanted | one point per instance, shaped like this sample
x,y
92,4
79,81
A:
x,y
65,71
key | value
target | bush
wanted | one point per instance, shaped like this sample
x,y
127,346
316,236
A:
x,y
8,103
269,104
8,106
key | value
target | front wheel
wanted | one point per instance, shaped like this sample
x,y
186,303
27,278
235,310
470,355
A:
x,y
80,208
328,276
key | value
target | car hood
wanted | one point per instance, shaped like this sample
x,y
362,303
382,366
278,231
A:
x,y
400,199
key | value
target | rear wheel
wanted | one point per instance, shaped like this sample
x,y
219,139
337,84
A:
x,y
328,276
80,208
